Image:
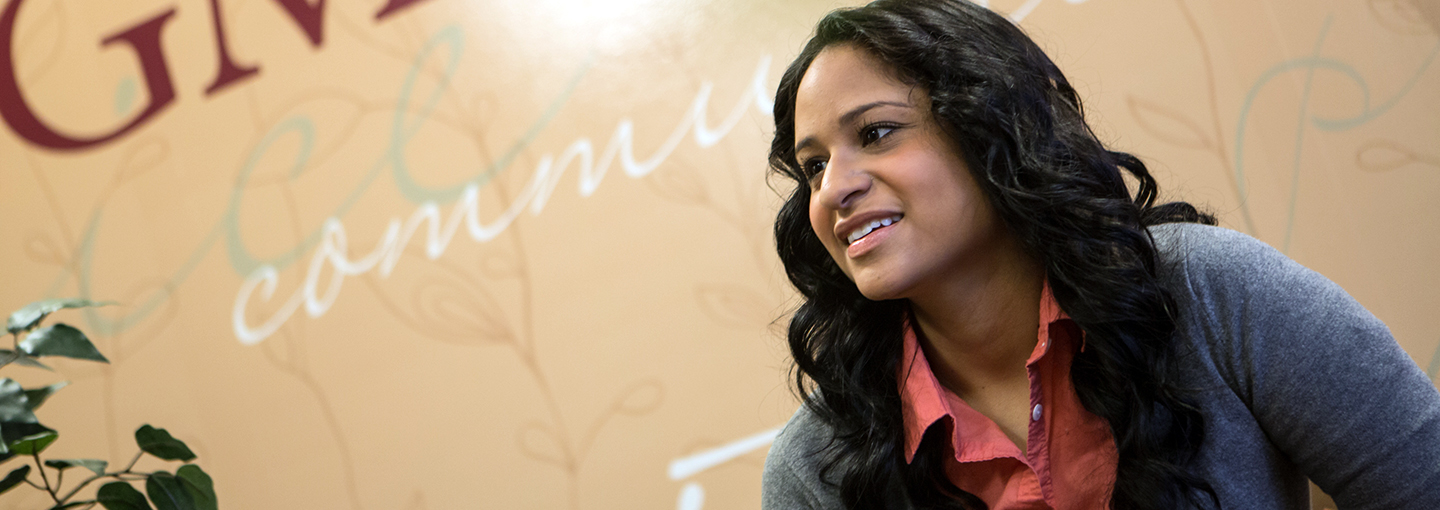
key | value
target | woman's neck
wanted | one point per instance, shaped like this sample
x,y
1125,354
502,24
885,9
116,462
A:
x,y
978,328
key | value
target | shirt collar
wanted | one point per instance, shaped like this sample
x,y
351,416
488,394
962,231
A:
x,y
923,398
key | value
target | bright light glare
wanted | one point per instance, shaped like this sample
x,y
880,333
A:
x,y
576,13
591,26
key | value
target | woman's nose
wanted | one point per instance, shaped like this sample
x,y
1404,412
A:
x,y
843,184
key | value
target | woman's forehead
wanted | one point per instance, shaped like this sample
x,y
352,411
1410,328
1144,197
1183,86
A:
x,y
846,69
844,77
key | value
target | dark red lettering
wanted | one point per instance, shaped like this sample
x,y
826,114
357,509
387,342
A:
x,y
308,17
391,6
229,72
144,39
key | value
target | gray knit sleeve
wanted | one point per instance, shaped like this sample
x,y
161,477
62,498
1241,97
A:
x,y
792,469
1323,378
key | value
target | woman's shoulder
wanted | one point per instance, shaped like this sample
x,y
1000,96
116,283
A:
x,y
801,442
792,477
1232,279
1199,246
1206,260
1298,365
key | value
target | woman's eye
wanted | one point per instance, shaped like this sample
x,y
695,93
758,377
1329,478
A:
x,y
873,134
814,167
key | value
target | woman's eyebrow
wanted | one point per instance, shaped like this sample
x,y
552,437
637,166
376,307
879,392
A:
x,y
849,118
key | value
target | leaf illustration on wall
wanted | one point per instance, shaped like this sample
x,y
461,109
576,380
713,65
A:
x,y
452,309
141,157
640,399
539,443
41,248
459,313
732,305
1169,125
1386,155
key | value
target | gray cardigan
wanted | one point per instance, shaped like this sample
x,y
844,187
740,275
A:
x,y
1295,380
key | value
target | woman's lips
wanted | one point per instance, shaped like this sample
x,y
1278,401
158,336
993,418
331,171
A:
x,y
867,237
870,227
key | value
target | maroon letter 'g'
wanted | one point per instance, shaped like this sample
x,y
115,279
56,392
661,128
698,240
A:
x,y
143,38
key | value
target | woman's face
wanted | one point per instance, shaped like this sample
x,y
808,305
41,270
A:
x,y
891,197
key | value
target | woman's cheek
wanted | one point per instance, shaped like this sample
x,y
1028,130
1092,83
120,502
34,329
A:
x,y
823,229
818,219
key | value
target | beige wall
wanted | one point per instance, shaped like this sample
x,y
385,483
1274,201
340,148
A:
x,y
614,347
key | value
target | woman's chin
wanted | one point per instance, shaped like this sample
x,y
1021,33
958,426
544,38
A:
x,y
879,291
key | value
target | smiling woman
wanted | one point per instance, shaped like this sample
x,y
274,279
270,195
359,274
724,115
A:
x,y
891,198
993,320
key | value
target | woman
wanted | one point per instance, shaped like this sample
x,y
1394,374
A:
x,y
992,320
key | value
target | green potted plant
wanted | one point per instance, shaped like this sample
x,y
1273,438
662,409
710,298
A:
x,y
24,438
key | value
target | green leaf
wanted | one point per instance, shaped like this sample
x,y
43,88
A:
x,y
159,443
14,404
8,356
33,443
16,432
121,496
15,415
28,361
168,492
61,340
14,478
199,485
36,396
27,317
96,465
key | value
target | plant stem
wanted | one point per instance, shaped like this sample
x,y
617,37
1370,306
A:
x,y
87,481
41,467
115,475
88,504
133,461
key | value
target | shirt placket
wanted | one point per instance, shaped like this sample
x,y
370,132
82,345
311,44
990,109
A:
x,y
1038,439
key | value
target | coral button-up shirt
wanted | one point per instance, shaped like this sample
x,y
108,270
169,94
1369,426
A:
x,y
1071,458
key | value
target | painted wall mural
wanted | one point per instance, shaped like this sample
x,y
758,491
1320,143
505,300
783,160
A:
x,y
423,254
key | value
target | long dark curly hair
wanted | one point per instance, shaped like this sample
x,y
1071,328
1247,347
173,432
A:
x,y
1020,128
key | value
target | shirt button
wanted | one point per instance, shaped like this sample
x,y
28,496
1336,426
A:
x,y
1035,413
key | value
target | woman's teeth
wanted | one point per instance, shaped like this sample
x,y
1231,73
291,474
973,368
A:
x,y
867,229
